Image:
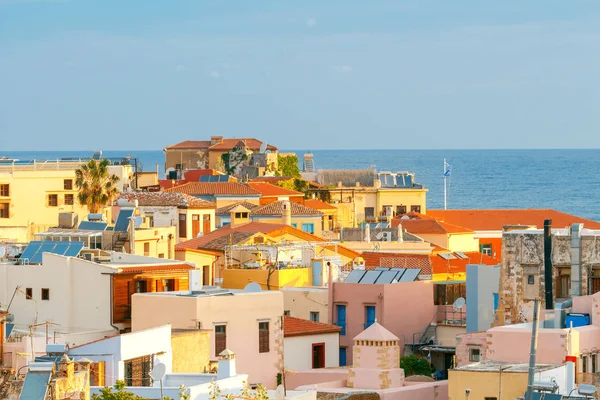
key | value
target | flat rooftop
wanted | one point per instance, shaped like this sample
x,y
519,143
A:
x,y
496,366
209,291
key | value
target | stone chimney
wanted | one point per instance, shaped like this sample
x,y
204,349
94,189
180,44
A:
x,y
286,213
226,366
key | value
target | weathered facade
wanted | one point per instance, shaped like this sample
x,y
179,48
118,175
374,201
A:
x,y
575,257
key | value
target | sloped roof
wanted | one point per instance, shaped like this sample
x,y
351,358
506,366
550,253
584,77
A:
x,y
376,332
439,265
124,269
269,190
318,204
230,143
239,233
225,210
303,327
431,226
276,208
215,188
397,260
272,179
190,144
166,199
494,220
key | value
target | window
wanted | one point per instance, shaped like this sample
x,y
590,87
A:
x,y
314,316
53,200
369,212
263,337
69,199
4,190
584,362
593,359
137,371
182,226
4,210
161,255
150,219
387,211
343,356
220,339
68,184
141,286
287,313
45,294
294,225
168,285
530,279
416,209
369,316
341,318
308,228
97,373
447,294
146,249
241,215
400,210
29,293
486,249
474,354
490,398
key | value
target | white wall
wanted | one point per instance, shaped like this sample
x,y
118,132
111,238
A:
x,y
79,293
163,216
297,351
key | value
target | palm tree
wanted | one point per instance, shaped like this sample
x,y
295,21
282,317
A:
x,y
96,186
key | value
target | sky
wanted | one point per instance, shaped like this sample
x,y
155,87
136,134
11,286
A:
x,y
310,74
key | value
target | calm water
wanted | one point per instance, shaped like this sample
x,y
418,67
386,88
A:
x,y
566,180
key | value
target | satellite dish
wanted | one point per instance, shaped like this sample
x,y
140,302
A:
x,y
279,392
404,218
459,304
2,252
137,221
379,235
158,372
263,147
252,287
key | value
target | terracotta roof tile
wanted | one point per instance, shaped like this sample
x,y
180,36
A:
x,y
494,220
318,205
226,231
225,210
397,260
154,268
215,188
274,180
251,143
302,327
269,190
440,265
276,208
190,144
166,199
431,226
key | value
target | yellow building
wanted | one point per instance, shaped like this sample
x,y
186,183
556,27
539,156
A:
x,y
441,234
33,194
496,380
293,214
369,196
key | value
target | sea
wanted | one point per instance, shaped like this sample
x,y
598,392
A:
x,y
565,180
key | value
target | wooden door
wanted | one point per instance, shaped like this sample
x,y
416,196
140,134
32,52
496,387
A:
x,y
318,355
206,224
195,225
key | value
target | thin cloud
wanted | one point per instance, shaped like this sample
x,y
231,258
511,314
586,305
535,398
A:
x,y
181,68
311,22
342,68
215,75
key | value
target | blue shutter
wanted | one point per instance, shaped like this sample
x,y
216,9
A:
x,y
370,316
495,301
342,356
341,318
310,228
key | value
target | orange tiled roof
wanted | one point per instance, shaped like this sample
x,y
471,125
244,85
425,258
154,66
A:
x,y
302,327
166,199
456,265
226,231
494,220
190,144
276,208
154,268
375,259
215,188
225,210
230,143
268,190
430,226
318,205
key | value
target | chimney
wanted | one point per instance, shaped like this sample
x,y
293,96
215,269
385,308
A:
x,y
286,215
216,139
548,263
576,259
226,366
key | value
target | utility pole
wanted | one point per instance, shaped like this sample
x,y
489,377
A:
x,y
532,353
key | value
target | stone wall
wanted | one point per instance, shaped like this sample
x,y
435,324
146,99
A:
x,y
467,341
191,351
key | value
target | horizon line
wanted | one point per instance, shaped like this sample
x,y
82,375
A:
x,y
310,150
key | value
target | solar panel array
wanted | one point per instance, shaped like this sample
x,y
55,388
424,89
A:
x,y
214,178
395,180
92,226
381,275
33,252
447,256
122,222
460,254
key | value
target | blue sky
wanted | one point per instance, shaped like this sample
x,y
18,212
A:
x,y
311,74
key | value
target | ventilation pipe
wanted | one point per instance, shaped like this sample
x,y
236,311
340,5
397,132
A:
x,y
548,263
287,213
576,259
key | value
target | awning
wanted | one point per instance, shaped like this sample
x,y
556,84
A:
x,y
439,349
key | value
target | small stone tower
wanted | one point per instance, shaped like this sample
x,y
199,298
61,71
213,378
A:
x,y
226,367
376,355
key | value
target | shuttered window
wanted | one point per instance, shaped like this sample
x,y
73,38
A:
x,y
220,339
263,337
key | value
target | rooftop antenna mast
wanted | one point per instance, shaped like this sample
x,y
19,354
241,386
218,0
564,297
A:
x,y
447,171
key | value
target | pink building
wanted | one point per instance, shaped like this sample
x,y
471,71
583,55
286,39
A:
x,y
405,308
376,354
511,343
